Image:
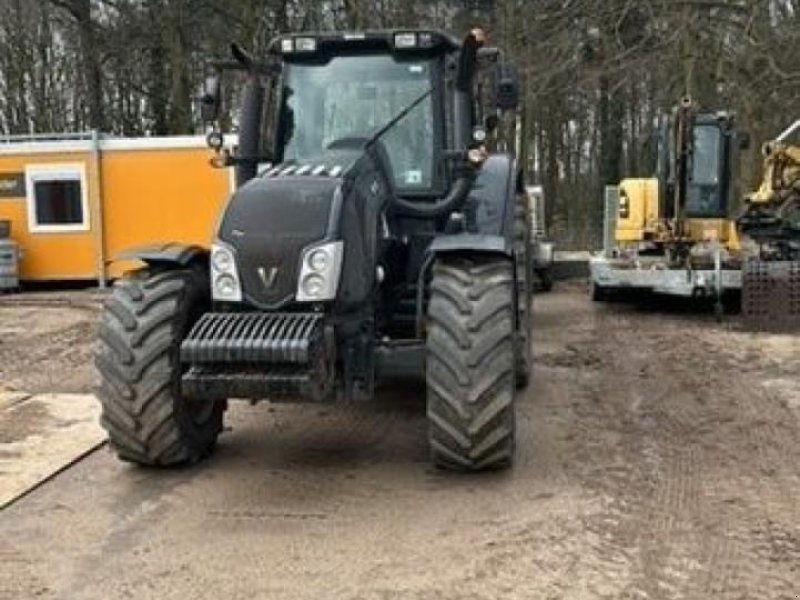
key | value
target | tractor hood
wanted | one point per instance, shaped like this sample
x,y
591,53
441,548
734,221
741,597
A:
x,y
273,218
268,222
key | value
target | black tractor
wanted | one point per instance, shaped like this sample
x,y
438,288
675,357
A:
x,y
371,236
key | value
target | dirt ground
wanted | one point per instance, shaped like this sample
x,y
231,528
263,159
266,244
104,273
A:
x,y
46,341
658,458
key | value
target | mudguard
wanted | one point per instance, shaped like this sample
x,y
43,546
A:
x,y
171,253
461,242
489,211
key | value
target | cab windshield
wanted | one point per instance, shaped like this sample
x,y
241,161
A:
x,y
353,97
704,196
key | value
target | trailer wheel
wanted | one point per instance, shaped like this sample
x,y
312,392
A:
x,y
470,363
522,251
144,321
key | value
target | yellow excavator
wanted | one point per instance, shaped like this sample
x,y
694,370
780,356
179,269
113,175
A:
x,y
770,229
675,232
771,216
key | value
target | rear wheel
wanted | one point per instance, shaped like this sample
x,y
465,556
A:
x,y
148,420
470,363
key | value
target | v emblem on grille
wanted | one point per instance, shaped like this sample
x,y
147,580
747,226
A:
x,y
267,280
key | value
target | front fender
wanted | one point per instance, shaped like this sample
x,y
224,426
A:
x,y
171,253
471,242
458,243
491,200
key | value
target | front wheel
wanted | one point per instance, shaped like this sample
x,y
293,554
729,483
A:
x,y
144,321
470,371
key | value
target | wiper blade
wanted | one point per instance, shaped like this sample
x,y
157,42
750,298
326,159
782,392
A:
x,y
397,118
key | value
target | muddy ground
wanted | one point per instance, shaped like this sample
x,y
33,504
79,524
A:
x,y
659,458
46,341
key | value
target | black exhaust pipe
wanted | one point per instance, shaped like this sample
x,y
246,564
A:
x,y
462,102
249,118
250,129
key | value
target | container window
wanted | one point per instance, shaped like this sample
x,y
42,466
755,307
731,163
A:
x,y
57,199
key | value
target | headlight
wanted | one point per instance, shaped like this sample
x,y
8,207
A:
x,y
319,260
222,259
320,271
313,286
225,285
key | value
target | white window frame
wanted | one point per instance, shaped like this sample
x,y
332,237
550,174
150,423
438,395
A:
x,y
55,172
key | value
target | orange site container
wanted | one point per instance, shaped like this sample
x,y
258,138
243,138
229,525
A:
x,y
75,203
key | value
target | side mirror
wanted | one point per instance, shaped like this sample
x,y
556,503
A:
x,y
506,87
210,99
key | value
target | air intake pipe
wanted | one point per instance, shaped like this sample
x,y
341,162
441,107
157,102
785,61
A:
x,y
462,117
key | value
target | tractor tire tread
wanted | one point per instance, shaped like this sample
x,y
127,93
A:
x,y
470,364
137,360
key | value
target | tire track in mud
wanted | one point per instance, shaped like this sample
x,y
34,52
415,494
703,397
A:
x,y
685,428
651,496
